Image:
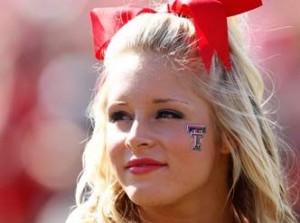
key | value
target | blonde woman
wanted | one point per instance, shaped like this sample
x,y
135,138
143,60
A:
x,y
180,133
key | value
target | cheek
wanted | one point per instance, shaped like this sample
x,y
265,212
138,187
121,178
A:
x,y
187,161
178,139
115,146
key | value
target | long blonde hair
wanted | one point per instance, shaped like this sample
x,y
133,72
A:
x,y
236,97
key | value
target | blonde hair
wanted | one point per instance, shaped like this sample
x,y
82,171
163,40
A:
x,y
236,98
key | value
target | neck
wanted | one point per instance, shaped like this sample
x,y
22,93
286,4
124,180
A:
x,y
159,215
198,211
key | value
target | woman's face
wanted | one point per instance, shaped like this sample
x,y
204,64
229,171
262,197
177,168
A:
x,y
148,145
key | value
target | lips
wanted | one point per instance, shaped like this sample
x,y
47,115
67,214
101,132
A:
x,y
144,165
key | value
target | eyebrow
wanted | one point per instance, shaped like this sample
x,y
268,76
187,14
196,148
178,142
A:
x,y
119,103
155,101
166,100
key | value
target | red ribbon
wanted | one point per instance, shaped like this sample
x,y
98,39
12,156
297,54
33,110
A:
x,y
209,18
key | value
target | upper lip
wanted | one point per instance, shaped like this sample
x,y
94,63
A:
x,y
144,162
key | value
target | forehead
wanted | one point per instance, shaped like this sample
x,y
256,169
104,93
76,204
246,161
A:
x,y
138,65
141,71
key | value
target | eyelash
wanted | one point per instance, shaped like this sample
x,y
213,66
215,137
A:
x,y
161,114
169,114
119,116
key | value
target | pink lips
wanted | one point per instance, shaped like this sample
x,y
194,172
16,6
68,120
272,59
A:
x,y
144,165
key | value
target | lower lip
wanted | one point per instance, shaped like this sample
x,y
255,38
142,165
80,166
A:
x,y
144,169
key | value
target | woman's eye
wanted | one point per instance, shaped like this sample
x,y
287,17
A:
x,y
119,116
169,114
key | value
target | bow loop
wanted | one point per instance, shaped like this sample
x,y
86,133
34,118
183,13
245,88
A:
x,y
210,21
234,7
107,21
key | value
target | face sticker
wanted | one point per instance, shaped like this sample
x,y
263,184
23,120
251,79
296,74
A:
x,y
196,132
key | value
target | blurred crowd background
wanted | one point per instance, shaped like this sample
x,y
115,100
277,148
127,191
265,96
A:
x,y
47,76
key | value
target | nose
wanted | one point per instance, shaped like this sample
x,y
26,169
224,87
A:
x,y
140,136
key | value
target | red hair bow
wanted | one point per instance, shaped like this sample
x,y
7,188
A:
x,y
209,18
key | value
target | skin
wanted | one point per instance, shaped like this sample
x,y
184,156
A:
x,y
148,110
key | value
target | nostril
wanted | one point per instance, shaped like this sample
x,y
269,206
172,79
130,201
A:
x,y
137,144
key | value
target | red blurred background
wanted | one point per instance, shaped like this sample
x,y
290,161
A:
x,y
46,81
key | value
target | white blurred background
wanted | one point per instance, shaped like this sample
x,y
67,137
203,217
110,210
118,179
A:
x,y
46,82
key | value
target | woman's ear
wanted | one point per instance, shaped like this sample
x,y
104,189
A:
x,y
225,143
220,143
224,150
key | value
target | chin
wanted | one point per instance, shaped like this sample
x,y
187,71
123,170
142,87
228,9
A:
x,y
144,196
